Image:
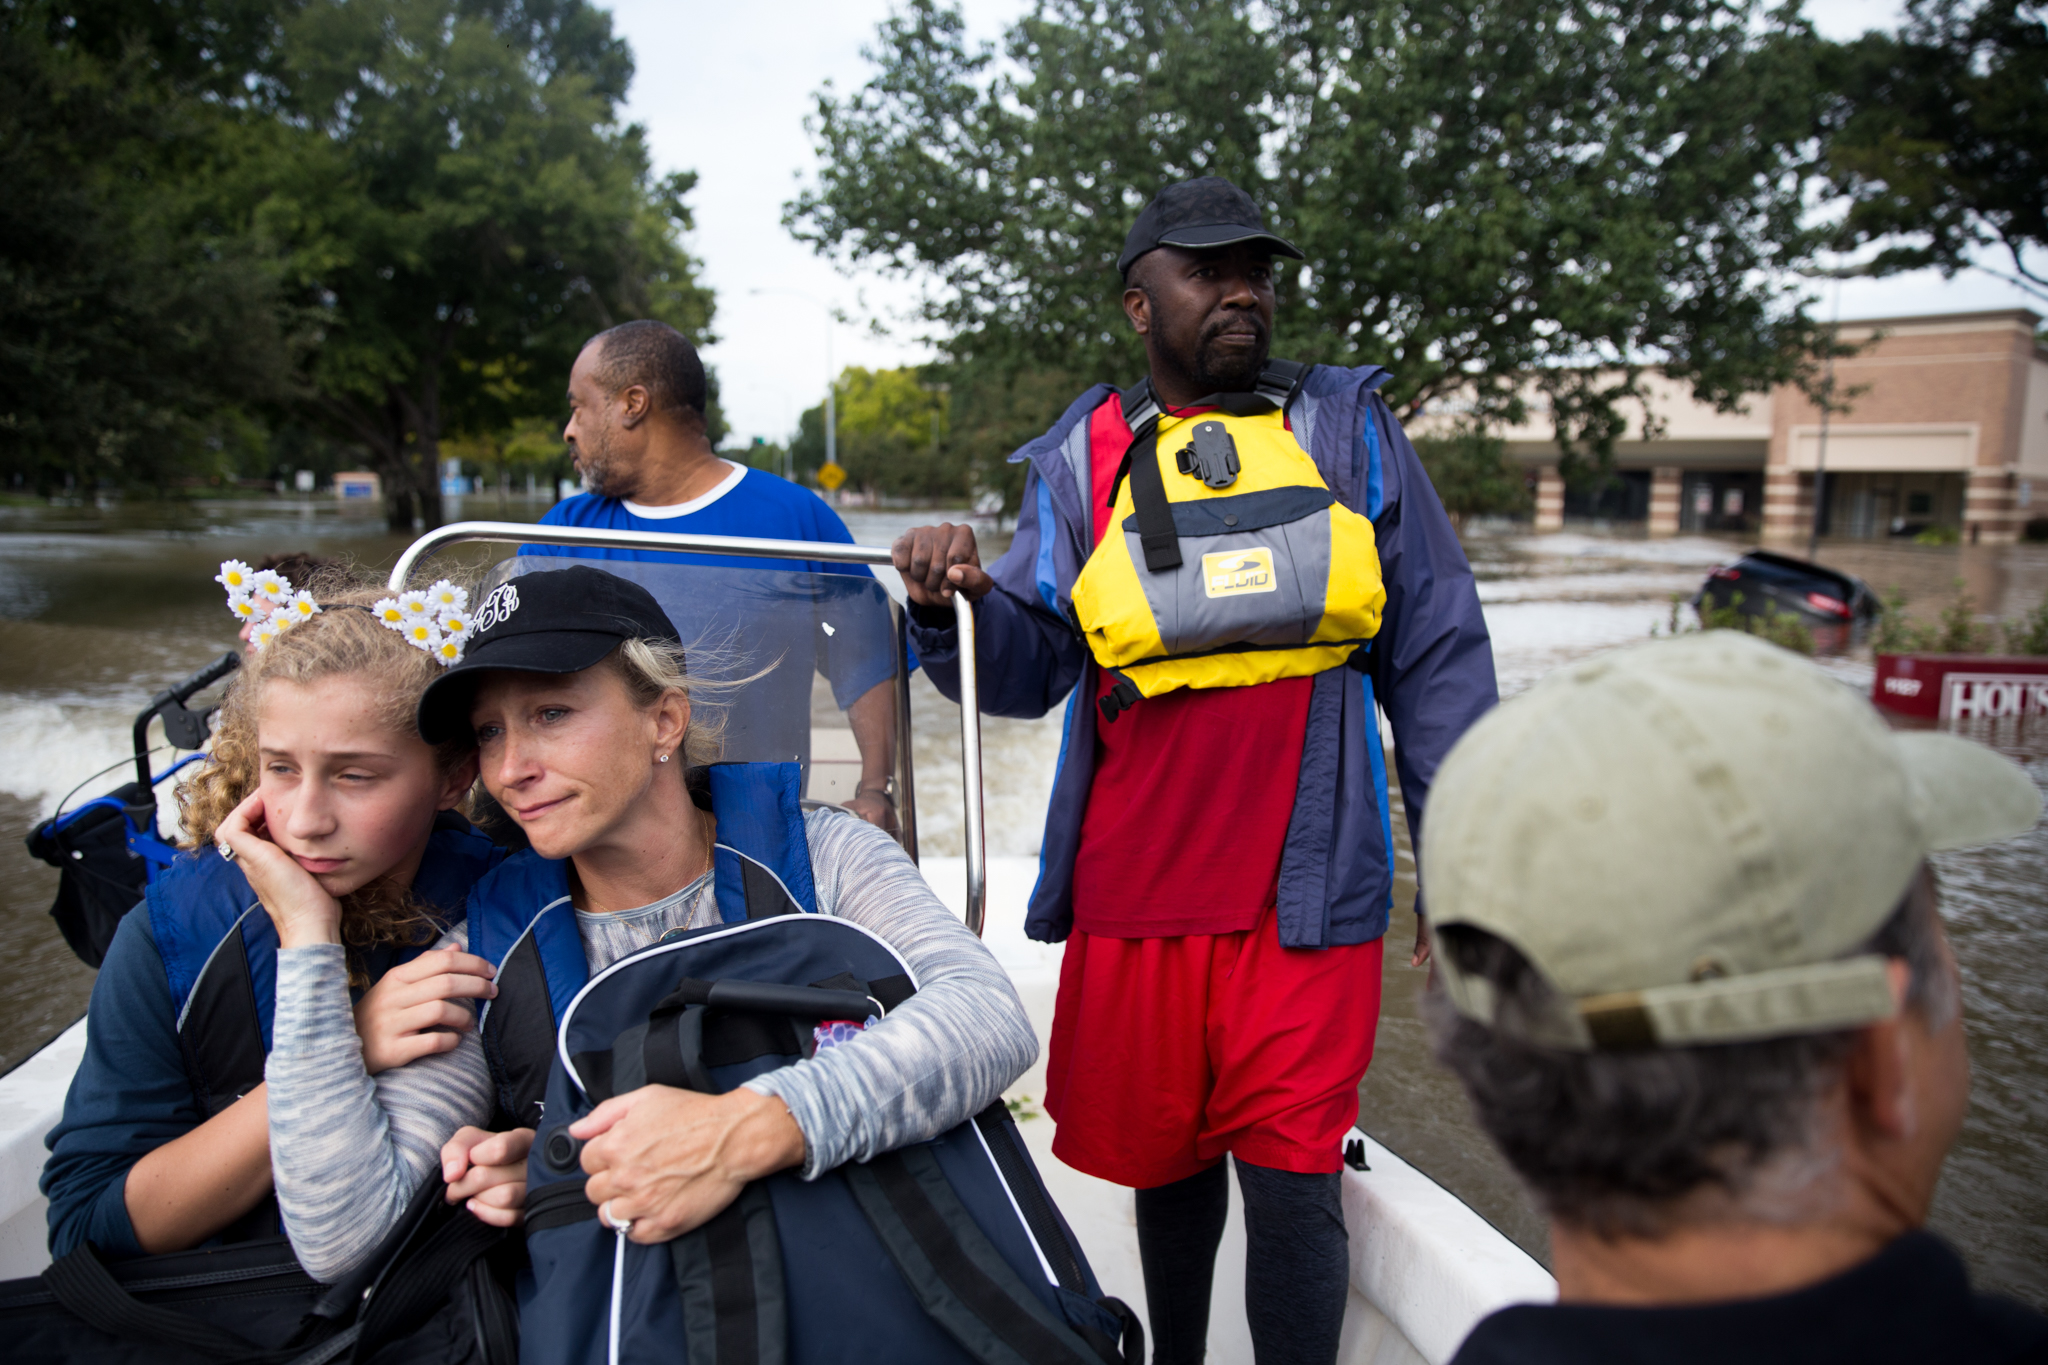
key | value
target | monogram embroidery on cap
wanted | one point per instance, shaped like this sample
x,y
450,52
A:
x,y
498,607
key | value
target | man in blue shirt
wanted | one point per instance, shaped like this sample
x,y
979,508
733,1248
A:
x,y
637,427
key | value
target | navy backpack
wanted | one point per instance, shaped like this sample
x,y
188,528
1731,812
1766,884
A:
x,y
944,1251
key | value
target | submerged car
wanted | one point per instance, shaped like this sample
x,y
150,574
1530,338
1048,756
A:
x,y
1761,583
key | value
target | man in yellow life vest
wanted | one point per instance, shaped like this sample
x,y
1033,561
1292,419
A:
x,y
1226,570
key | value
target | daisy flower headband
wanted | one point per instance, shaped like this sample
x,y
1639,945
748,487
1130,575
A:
x,y
265,598
436,620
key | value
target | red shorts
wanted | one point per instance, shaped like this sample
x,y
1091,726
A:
x,y
1167,1053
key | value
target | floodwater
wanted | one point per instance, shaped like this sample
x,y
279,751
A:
x,y
101,607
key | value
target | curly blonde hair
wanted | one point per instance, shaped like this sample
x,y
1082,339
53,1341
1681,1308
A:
x,y
345,639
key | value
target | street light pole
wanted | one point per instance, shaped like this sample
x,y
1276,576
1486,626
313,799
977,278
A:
x,y
831,382
1827,408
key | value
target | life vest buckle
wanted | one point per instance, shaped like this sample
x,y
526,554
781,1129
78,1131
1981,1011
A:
x,y
1120,698
1211,456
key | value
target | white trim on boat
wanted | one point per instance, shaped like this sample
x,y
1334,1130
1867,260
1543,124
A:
x,y
31,1102
1424,1267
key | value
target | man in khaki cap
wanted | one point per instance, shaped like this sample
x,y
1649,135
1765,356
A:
x,y
1693,976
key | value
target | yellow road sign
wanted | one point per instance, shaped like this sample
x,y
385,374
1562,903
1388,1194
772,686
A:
x,y
830,476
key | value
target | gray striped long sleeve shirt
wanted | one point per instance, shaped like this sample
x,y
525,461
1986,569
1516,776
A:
x,y
348,1150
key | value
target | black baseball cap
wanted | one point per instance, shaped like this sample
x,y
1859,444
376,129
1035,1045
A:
x,y
556,621
1207,212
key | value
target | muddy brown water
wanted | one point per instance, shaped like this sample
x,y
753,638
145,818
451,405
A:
x,y
99,607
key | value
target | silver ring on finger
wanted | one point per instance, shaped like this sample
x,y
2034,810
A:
x,y
227,855
604,1215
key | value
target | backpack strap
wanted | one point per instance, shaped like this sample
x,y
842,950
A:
x,y
439,1253
955,1272
89,1292
729,1277
703,1024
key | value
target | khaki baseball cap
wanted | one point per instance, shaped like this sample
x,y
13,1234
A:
x,y
1686,837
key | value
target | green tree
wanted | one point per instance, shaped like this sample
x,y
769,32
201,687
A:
x,y
138,320
460,214
1473,475
995,410
891,435
1939,138
1485,189
531,447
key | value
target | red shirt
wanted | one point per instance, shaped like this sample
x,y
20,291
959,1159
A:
x,y
1193,790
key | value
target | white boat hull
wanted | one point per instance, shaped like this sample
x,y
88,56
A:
x,y
1424,1267
31,1102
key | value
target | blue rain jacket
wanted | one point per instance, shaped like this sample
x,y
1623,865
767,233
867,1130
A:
x,y
1430,668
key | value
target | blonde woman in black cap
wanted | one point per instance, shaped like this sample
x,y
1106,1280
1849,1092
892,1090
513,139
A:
x,y
574,685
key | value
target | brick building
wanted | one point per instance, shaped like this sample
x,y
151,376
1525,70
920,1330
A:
x,y
1947,426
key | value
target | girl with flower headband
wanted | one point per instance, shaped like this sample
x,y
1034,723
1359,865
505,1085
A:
x,y
325,841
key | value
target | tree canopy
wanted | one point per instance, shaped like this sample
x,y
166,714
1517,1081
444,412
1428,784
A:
x,y
391,221
1939,139
463,214
139,322
1484,189
891,435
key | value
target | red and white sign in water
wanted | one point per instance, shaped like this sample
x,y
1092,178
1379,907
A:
x,y
1961,686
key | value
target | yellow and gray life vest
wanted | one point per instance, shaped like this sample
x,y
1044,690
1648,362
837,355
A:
x,y
1236,563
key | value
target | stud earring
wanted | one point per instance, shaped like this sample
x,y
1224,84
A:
x,y
664,758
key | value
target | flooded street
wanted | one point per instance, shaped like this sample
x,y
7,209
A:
x,y
100,609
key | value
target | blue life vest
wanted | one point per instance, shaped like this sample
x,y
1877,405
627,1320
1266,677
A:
x,y
219,951
947,1251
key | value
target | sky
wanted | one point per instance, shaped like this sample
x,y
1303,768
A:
x,y
724,91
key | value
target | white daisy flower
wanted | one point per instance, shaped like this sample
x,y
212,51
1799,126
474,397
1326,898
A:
x,y
454,623
425,634
271,584
266,634
235,576
300,606
415,606
390,612
447,651
248,608
446,597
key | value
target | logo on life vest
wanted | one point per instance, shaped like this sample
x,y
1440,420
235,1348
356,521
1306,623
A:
x,y
1233,573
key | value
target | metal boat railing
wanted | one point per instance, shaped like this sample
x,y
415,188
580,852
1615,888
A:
x,y
522,533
